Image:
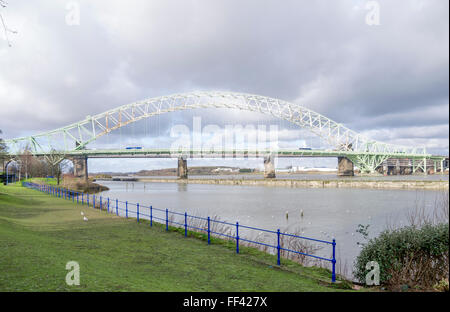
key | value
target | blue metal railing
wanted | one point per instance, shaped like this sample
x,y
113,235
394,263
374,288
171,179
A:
x,y
111,207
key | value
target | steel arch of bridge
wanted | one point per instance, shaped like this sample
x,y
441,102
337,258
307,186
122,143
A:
x,y
366,153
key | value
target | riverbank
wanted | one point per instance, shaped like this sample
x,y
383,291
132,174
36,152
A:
x,y
39,234
74,184
365,184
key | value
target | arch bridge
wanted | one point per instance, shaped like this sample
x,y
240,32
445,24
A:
x,y
350,147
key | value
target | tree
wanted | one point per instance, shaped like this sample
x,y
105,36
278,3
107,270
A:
x,y
3,150
6,29
30,165
56,164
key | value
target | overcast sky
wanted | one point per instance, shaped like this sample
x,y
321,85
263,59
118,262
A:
x,y
386,78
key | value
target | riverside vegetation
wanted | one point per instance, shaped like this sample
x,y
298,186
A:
x,y
412,257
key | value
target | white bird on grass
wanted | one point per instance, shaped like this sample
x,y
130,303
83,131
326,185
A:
x,y
82,213
85,219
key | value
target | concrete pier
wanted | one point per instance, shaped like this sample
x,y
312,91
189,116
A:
x,y
80,167
269,167
182,170
345,167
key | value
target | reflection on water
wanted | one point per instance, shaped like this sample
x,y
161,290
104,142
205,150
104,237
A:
x,y
327,213
421,177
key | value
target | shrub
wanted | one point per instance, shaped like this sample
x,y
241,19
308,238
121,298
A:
x,y
417,257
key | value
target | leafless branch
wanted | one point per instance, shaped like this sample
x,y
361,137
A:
x,y
6,29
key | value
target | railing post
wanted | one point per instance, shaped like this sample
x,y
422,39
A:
x,y
237,237
108,205
185,224
117,207
167,219
333,262
209,231
87,199
101,203
151,216
126,209
278,247
93,201
82,198
137,212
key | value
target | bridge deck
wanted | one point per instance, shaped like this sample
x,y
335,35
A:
x,y
167,153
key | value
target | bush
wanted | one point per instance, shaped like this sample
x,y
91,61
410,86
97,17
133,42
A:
x,y
417,257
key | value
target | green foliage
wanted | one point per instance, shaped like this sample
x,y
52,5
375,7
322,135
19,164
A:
x,y
364,231
410,250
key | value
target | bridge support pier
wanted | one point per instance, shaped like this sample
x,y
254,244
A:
x,y
269,167
385,168
397,167
182,170
345,167
80,167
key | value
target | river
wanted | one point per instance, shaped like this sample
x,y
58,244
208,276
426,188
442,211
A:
x,y
327,213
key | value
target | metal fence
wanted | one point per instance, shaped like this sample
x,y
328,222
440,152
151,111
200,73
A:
x,y
184,220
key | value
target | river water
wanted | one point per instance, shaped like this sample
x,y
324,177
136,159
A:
x,y
327,213
317,176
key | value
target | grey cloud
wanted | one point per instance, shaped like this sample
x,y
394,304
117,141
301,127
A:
x,y
319,54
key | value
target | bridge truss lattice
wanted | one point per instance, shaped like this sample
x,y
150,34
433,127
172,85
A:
x,y
364,152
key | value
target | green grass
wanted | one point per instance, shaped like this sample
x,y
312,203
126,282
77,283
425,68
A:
x,y
39,234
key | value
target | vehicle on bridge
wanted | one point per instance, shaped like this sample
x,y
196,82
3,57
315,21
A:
x,y
133,147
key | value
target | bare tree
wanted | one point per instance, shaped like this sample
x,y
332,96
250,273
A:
x,y
6,29
57,164
30,165
3,150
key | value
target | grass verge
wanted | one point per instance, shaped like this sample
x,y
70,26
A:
x,y
39,234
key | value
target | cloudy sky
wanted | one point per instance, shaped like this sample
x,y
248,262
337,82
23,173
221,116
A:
x,y
379,67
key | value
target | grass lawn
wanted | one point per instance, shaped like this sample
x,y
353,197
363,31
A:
x,y
39,234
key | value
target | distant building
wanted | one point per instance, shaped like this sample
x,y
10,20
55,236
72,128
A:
x,y
225,170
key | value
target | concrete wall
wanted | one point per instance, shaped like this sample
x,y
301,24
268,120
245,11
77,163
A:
x,y
406,185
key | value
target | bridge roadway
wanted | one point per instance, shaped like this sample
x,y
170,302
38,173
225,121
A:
x,y
415,162
167,153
